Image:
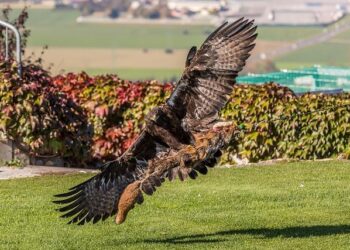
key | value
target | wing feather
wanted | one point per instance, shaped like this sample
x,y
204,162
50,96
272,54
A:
x,y
210,74
97,198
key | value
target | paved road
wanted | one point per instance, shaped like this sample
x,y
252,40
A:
x,y
32,171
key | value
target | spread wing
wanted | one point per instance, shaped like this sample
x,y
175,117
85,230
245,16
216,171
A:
x,y
202,91
97,198
210,72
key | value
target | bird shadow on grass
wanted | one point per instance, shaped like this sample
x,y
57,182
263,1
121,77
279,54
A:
x,y
288,232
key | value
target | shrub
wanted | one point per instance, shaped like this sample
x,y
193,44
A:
x,y
75,116
38,117
279,124
115,108
82,118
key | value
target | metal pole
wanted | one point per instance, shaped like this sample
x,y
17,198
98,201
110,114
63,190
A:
x,y
6,44
18,45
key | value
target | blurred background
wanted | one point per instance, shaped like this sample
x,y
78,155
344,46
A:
x,y
149,39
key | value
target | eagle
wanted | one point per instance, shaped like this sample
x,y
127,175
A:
x,y
181,138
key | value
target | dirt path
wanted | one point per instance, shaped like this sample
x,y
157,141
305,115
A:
x,y
32,171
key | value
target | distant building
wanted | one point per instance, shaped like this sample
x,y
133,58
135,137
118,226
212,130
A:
x,y
197,6
282,12
265,12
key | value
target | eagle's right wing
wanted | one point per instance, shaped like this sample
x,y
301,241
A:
x,y
98,197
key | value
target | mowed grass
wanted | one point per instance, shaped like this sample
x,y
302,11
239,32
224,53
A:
x,y
287,206
58,28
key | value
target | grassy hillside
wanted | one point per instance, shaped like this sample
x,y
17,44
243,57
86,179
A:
x,y
288,206
59,29
335,52
330,53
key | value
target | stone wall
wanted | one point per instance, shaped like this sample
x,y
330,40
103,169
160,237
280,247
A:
x,y
9,152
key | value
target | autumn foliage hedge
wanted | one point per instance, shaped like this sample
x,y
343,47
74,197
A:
x,y
75,116
82,118
277,124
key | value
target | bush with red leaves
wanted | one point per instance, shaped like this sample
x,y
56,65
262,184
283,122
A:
x,y
75,116
115,108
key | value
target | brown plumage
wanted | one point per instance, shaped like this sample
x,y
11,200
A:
x,y
181,138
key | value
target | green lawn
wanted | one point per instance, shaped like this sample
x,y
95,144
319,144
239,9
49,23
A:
x,y
287,206
59,29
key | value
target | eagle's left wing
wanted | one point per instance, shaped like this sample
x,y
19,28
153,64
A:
x,y
210,72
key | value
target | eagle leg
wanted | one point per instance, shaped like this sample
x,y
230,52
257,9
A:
x,y
188,156
129,197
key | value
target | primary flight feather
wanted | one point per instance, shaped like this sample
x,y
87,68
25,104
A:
x,y
180,139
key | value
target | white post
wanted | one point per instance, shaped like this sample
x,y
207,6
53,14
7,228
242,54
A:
x,y
18,44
